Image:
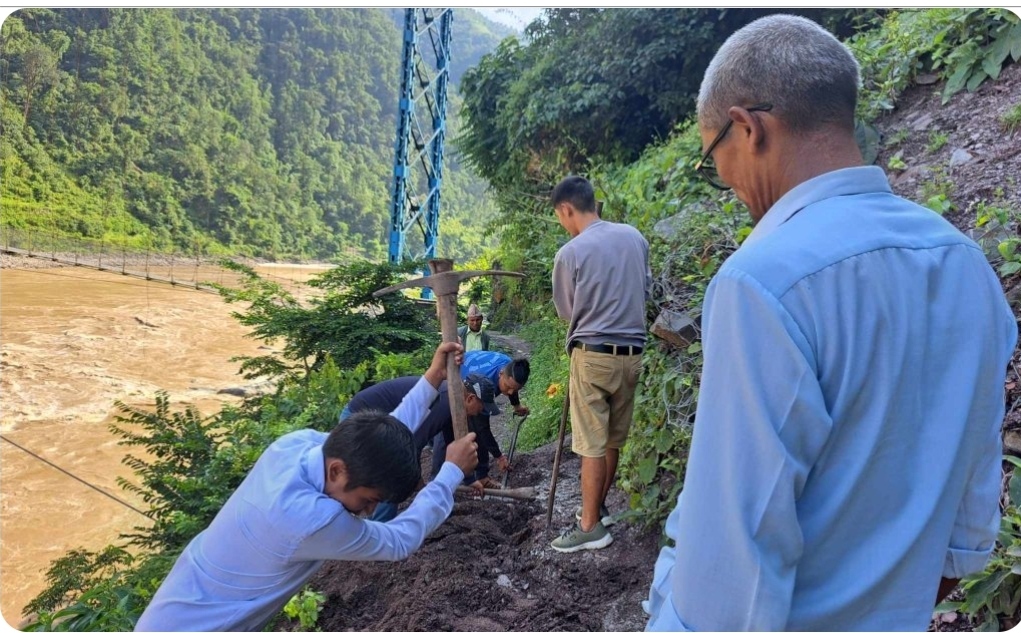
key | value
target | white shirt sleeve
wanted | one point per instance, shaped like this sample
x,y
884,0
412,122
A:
x,y
348,537
414,408
760,425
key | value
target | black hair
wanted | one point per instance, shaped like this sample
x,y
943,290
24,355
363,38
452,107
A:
x,y
577,191
518,369
379,453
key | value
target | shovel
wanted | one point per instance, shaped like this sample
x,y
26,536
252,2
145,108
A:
x,y
510,454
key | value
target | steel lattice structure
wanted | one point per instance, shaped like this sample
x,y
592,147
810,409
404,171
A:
x,y
421,131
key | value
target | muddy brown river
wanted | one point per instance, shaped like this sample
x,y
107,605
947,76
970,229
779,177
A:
x,y
72,341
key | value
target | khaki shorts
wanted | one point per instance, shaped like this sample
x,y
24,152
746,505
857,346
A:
x,y
602,393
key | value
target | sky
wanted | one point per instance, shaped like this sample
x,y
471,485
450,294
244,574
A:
x,y
514,17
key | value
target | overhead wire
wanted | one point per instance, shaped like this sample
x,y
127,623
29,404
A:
x,y
76,477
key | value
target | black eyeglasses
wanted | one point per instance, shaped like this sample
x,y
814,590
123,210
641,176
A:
x,y
706,167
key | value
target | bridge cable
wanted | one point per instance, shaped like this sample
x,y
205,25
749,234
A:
x,y
77,478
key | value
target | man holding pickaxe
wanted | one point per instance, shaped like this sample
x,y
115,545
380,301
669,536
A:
x,y
385,396
444,282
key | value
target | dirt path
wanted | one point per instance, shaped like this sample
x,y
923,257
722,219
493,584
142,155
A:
x,y
511,344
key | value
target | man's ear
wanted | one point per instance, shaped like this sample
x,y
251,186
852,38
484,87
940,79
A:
x,y
748,128
336,469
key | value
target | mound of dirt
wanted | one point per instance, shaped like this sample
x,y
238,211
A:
x,y
489,567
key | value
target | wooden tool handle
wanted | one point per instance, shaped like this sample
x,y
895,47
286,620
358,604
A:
x,y
446,312
523,494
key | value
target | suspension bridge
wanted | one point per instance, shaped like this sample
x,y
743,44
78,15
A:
x,y
194,271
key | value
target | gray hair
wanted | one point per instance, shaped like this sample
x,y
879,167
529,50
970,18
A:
x,y
809,77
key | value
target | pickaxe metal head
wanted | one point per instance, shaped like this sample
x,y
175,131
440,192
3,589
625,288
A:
x,y
443,280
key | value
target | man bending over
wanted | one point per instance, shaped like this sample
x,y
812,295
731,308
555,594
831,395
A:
x,y
299,507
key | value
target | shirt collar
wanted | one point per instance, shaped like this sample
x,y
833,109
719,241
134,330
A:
x,y
841,182
598,221
315,467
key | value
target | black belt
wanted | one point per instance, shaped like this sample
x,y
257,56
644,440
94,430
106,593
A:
x,y
616,350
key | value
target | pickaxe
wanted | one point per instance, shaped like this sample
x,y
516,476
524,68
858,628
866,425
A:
x,y
445,282
510,453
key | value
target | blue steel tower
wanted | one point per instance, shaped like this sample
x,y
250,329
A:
x,y
421,128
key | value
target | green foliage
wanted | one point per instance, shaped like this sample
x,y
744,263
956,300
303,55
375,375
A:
x,y
981,41
1009,251
186,483
939,203
896,162
635,71
1011,119
548,381
388,366
962,46
994,594
113,603
898,137
267,131
937,140
305,608
936,189
343,322
996,231
101,608
76,569
867,137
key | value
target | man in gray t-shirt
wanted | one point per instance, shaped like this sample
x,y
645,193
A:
x,y
601,281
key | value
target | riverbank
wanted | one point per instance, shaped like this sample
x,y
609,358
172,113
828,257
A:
x,y
73,341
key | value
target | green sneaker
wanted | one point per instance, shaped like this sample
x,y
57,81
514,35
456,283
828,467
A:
x,y
604,516
576,540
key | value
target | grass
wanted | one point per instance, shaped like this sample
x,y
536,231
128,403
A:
x,y
937,140
898,137
1011,119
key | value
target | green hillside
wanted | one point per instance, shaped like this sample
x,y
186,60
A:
x,y
255,131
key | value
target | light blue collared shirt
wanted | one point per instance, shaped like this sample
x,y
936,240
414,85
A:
x,y
846,450
278,528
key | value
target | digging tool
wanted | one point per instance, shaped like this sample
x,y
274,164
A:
x,y
444,281
522,494
510,453
556,457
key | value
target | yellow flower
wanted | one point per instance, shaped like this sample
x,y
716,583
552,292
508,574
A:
x,y
553,390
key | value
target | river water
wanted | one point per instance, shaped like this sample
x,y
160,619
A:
x,y
72,341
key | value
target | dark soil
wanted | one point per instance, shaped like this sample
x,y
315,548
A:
x,y
489,567
971,123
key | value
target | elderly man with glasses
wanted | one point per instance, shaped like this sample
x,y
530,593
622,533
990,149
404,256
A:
x,y
845,466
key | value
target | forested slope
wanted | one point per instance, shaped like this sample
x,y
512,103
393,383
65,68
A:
x,y
258,131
